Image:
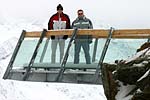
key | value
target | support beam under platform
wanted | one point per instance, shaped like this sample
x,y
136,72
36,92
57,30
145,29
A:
x,y
69,76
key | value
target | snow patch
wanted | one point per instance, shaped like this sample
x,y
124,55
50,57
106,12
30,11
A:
x,y
123,91
145,75
7,47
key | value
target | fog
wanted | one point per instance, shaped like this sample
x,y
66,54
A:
x,y
103,13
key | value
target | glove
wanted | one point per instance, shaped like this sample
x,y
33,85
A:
x,y
65,37
52,37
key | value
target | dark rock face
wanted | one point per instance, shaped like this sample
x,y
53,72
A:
x,y
135,72
141,96
109,84
130,74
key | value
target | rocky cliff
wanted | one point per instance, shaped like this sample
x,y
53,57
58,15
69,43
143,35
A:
x,y
128,79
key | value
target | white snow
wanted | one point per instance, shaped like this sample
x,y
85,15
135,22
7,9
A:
x,y
123,91
137,55
7,47
145,75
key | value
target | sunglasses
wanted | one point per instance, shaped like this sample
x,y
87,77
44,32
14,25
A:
x,y
80,13
59,9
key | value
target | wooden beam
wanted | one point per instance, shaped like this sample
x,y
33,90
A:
x,y
97,33
33,34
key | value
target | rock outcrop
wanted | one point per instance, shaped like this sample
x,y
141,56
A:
x,y
134,72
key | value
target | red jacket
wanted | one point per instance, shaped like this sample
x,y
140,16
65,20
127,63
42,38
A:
x,y
55,18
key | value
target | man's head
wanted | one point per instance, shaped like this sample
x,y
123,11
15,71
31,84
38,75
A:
x,y
59,8
80,13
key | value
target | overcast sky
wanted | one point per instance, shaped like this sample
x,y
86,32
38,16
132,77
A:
x,y
116,13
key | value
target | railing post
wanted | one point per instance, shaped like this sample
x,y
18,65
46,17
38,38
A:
x,y
10,65
95,50
96,75
26,74
63,64
44,50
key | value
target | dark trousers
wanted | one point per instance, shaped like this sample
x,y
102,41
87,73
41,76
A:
x,y
86,49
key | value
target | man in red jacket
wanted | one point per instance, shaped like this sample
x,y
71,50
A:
x,y
56,22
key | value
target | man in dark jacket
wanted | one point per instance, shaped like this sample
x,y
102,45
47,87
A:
x,y
83,41
56,22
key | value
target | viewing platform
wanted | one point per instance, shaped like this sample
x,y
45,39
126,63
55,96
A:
x,y
31,59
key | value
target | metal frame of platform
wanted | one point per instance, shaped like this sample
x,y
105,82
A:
x,y
68,73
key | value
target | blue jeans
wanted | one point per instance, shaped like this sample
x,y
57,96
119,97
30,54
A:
x,y
86,49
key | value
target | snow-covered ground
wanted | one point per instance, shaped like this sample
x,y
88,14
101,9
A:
x,y
19,90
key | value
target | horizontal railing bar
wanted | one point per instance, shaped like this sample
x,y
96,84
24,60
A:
x,y
96,33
